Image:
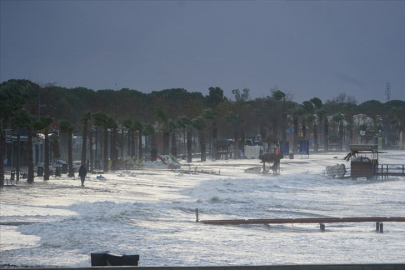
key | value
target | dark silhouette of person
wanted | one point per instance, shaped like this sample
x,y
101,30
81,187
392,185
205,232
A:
x,y
82,173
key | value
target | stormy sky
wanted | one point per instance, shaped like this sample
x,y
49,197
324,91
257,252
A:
x,y
308,48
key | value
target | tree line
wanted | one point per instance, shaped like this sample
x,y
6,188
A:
x,y
174,117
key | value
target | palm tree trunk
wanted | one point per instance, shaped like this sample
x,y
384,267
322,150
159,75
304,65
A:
x,y
341,135
203,146
70,156
105,161
295,123
315,137
304,128
174,147
153,147
326,136
84,143
189,142
184,142
114,154
132,143
140,144
235,145
30,158
214,139
46,163
284,123
2,149
166,142
242,140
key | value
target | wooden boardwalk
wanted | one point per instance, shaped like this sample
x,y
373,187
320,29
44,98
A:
x,y
321,221
302,220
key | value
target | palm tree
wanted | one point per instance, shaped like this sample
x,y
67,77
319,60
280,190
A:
x,y
24,120
199,125
162,115
280,96
234,120
139,127
211,115
308,110
65,126
43,124
348,109
320,112
338,118
101,119
326,133
128,124
12,99
173,128
86,117
149,130
182,126
297,112
188,124
113,153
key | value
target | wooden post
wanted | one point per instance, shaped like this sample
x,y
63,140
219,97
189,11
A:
x,y
322,226
381,227
196,215
377,226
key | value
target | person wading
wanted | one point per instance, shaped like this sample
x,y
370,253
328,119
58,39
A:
x,y
82,174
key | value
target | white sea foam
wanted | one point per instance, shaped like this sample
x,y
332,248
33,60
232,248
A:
x,y
153,215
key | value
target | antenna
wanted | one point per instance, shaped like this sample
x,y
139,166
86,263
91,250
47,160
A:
x,y
387,91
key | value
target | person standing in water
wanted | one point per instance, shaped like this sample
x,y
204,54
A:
x,y
82,173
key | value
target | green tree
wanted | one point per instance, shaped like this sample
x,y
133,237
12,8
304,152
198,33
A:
x,y
65,126
215,97
43,125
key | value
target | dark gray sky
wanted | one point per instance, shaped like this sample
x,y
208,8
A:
x,y
310,48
